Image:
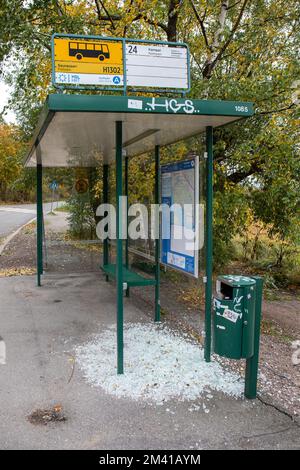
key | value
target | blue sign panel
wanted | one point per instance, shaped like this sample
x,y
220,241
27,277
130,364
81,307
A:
x,y
53,185
180,198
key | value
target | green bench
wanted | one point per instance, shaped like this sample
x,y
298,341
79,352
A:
x,y
130,277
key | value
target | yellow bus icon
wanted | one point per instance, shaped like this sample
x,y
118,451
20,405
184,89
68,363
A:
x,y
88,49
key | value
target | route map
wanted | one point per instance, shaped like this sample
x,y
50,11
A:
x,y
180,190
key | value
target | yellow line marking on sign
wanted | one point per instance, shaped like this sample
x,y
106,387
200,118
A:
x,y
88,67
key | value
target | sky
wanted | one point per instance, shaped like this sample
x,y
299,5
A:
x,y
9,117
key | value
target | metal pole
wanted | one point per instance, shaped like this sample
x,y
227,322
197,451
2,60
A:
x,y
39,221
119,251
52,200
208,241
158,234
57,198
45,252
126,241
105,201
252,362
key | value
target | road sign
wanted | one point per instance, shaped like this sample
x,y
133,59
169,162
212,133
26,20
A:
x,y
81,61
82,185
84,61
180,219
53,185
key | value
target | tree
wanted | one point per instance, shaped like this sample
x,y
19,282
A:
x,y
240,50
11,148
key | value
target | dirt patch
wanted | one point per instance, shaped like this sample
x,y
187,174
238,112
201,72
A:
x,y
46,416
279,377
61,255
285,313
19,253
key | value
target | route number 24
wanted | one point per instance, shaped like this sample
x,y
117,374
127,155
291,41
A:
x,y
132,49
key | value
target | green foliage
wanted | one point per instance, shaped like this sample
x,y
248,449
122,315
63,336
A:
x,y
231,214
277,259
18,183
240,50
15,181
81,219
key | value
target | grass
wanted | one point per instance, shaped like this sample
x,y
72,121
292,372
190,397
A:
x,y
12,203
30,228
20,271
88,246
192,295
273,295
257,253
172,275
63,208
163,312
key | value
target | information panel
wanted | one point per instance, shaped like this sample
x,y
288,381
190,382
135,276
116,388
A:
x,y
112,62
156,66
180,218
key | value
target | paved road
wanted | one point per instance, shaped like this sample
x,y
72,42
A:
x,y
13,216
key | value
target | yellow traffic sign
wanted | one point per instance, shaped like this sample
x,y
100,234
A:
x,y
88,61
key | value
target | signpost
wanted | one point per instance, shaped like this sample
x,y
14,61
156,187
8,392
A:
x,y
53,185
180,189
116,63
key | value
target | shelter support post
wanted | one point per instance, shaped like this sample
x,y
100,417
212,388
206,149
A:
x,y
208,241
105,201
119,250
158,234
127,240
39,221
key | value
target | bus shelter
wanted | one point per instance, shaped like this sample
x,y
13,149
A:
x,y
74,129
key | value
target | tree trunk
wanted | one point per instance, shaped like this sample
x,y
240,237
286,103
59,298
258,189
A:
x,y
172,20
212,58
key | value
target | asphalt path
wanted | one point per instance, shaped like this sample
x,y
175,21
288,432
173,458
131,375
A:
x,y
14,216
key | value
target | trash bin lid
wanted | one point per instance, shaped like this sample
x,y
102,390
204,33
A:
x,y
236,281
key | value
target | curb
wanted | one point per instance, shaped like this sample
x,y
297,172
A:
x,y
12,235
4,244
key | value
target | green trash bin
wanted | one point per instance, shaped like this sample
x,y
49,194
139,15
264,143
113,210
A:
x,y
234,317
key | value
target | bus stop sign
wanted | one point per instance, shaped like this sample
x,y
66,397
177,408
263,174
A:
x,y
87,61
115,63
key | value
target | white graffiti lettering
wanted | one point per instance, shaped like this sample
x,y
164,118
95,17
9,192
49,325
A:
x,y
172,105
